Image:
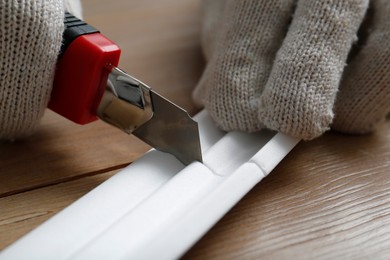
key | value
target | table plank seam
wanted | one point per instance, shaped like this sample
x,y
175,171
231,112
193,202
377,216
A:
x,y
64,180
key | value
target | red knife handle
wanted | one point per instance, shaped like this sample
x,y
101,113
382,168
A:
x,y
82,71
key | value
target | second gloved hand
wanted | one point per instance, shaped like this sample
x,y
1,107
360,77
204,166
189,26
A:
x,y
282,65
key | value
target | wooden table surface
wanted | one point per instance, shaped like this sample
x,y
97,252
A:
x,y
329,198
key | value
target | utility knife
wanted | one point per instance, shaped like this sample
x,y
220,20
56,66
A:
x,y
89,85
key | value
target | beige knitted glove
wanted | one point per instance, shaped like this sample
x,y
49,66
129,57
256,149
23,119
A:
x,y
279,64
30,40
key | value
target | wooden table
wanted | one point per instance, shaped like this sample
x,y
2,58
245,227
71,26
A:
x,y
329,198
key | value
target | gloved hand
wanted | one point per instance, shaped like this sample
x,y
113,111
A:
x,y
282,64
30,41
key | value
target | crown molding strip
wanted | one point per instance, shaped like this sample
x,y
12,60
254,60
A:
x,y
156,207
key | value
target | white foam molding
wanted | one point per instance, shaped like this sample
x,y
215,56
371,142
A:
x,y
273,152
175,239
156,207
234,149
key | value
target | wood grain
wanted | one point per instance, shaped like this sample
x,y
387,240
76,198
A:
x,y
27,210
330,198
61,151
